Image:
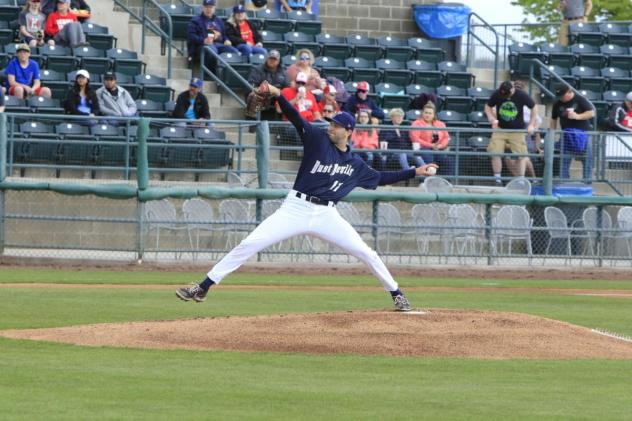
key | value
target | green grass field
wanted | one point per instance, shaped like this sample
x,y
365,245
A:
x,y
41,380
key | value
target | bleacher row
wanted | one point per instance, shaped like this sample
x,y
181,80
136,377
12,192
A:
x,y
598,63
104,145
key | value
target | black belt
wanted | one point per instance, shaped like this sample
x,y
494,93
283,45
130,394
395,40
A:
x,y
315,200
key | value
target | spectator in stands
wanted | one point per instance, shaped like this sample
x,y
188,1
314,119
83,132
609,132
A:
x,y
289,5
362,138
32,22
430,141
192,104
574,113
82,99
243,34
621,117
573,11
63,26
399,139
273,72
23,75
361,101
304,62
81,9
302,99
329,98
255,5
207,29
114,100
504,109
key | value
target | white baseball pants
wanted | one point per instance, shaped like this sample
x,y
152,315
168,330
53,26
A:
x,y
298,217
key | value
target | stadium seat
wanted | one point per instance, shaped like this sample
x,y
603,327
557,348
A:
x,y
39,144
479,96
613,96
208,134
76,152
616,34
549,82
9,11
288,60
479,120
58,58
412,115
334,46
590,95
111,148
588,56
456,74
125,61
392,96
98,36
426,50
43,105
617,56
257,59
149,108
274,41
364,70
352,87
396,48
15,105
92,60
520,56
364,47
274,21
394,71
299,40
240,64
617,79
332,67
587,78
305,22
454,98
180,15
154,87
453,118
414,90
425,73
56,82
126,81
585,33
558,55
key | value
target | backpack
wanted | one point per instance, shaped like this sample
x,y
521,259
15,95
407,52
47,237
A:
x,y
341,93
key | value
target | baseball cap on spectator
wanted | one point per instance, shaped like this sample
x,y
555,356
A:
x,y
505,88
628,97
363,86
109,75
344,119
239,9
330,89
208,3
274,54
196,82
301,77
82,72
23,47
561,90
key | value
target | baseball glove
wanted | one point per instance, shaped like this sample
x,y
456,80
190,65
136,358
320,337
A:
x,y
257,100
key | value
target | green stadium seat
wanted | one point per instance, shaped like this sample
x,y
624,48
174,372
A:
x,y
396,48
588,78
41,105
180,15
456,74
394,72
616,34
425,73
305,22
40,144
58,58
586,33
364,70
454,98
275,41
329,66
15,105
126,81
80,153
427,50
152,109
392,96
479,96
92,60
617,56
9,11
520,57
98,36
558,55
125,61
56,82
154,87
275,21
617,79
334,46
111,149
588,56
364,47
239,64
299,40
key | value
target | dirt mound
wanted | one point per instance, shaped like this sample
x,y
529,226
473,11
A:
x,y
435,333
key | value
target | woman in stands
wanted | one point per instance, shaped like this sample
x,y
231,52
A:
x,y
82,99
396,138
432,142
32,22
304,62
363,138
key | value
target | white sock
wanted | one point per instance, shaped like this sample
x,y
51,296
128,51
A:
x,y
497,176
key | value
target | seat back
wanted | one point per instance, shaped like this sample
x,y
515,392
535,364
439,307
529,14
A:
x,y
278,181
160,212
388,218
624,221
199,213
512,221
556,222
590,218
519,185
233,211
437,185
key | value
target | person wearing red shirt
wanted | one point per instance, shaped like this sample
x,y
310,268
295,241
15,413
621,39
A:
x,y
243,34
432,141
63,26
303,100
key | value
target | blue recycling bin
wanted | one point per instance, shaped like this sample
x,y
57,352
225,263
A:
x,y
445,23
573,212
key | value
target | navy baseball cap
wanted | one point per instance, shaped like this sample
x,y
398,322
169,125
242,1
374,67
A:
x,y
344,119
208,3
196,82
239,9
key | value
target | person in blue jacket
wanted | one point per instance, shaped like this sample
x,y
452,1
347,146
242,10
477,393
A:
x,y
361,101
207,29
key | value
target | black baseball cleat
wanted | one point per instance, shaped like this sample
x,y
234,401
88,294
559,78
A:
x,y
194,292
401,303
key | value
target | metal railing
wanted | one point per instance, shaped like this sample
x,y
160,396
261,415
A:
x,y
205,71
470,45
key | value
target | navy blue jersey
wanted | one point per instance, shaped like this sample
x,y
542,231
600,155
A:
x,y
327,172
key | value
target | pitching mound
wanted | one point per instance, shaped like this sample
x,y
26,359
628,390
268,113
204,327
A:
x,y
435,333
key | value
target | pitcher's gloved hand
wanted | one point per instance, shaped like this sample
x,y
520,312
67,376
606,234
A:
x,y
257,100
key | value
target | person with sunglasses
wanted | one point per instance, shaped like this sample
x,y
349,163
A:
x,y
362,101
328,172
304,62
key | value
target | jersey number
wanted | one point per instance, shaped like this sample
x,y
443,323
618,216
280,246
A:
x,y
335,186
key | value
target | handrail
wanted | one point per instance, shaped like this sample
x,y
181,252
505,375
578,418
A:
x,y
471,34
205,71
542,66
